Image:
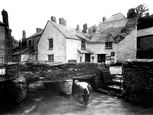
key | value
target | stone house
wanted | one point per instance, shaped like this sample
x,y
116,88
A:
x,y
28,49
145,37
114,40
6,40
60,43
2,42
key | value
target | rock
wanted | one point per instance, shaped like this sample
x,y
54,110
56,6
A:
x,y
66,87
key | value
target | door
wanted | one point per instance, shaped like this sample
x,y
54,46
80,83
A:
x,y
87,57
101,57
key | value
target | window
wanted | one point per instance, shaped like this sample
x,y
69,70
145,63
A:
x,y
36,57
101,57
80,58
112,53
83,44
29,43
108,45
51,43
51,58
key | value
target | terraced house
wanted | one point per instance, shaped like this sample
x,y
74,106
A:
x,y
114,40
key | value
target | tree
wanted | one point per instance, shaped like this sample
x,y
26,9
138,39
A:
x,y
141,10
131,13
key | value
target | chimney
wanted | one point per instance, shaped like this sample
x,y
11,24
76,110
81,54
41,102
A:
x,y
5,18
78,28
23,43
85,28
38,30
104,18
62,21
53,19
23,34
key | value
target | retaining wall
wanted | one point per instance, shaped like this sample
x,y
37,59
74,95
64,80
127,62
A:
x,y
138,81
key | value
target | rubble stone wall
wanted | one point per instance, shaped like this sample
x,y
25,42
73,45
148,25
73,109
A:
x,y
60,77
138,81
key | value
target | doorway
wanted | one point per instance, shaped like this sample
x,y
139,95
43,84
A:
x,y
101,57
87,57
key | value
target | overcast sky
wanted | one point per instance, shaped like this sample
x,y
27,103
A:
x,y
29,14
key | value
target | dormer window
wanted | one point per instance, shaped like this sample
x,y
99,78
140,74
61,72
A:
x,y
83,44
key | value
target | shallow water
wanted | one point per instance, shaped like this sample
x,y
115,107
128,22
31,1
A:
x,y
46,102
49,102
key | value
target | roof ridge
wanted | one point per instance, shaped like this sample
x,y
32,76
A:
x,y
114,20
74,31
118,13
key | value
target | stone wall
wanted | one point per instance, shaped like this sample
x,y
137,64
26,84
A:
x,y
138,81
61,87
126,49
60,77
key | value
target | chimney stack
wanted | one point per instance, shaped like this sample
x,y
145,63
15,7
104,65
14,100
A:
x,y
62,21
23,43
78,28
38,30
5,18
104,18
53,19
23,34
85,28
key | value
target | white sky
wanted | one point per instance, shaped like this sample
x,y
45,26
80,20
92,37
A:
x,y
29,14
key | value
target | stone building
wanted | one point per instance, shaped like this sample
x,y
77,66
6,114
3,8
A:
x,y
5,39
60,43
114,40
28,49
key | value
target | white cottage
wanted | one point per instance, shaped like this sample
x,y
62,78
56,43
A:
x,y
59,43
115,40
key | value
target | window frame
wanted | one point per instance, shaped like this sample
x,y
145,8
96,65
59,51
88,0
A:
x,y
112,53
108,45
30,44
51,58
50,43
83,44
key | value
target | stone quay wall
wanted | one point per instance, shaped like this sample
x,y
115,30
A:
x,y
138,81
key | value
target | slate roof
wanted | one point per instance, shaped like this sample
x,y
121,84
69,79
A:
x,y
69,32
35,34
1,23
23,51
117,16
114,31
